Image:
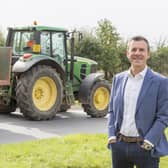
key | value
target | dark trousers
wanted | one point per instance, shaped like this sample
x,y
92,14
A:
x,y
126,155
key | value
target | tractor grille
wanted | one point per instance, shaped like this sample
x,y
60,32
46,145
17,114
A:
x,y
83,71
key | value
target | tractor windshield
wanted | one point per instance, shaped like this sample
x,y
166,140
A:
x,y
23,42
40,42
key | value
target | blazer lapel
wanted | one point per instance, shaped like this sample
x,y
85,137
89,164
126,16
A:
x,y
145,86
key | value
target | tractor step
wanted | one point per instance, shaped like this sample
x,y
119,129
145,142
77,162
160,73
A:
x,y
69,94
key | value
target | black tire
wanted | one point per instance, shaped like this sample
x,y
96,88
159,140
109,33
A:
x,y
39,93
97,109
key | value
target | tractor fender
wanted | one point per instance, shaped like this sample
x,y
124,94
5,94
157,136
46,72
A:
x,y
21,66
86,86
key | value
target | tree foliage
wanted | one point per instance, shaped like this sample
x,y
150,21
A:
x,y
108,39
105,46
159,60
88,47
124,63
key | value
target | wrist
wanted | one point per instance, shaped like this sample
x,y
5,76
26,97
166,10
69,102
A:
x,y
146,146
112,140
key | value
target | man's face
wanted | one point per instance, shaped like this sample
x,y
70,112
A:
x,y
138,53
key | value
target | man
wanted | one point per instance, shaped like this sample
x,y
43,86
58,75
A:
x,y
138,112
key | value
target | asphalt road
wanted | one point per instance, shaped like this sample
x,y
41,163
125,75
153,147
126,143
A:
x,y
14,128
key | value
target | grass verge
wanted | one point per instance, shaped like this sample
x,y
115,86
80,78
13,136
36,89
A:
x,y
74,151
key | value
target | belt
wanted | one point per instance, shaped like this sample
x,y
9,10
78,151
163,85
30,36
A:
x,y
128,139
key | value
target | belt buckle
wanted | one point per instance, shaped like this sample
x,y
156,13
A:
x,y
129,139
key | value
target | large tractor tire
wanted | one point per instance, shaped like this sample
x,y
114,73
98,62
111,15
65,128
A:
x,y
39,93
98,100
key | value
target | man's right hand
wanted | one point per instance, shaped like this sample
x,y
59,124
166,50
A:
x,y
110,141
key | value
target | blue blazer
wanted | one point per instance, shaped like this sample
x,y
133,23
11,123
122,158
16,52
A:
x,y
151,115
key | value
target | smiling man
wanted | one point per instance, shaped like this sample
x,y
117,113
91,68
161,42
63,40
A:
x,y
138,112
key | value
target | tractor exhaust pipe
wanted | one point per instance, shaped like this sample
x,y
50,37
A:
x,y
72,56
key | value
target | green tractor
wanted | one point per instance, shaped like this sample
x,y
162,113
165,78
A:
x,y
38,76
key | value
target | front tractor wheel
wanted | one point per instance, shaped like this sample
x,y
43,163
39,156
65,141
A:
x,y
39,93
98,100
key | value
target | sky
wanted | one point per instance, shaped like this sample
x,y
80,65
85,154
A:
x,y
129,17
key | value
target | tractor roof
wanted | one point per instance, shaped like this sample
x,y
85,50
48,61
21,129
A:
x,y
41,28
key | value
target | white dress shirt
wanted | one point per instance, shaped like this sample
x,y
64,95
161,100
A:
x,y
131,93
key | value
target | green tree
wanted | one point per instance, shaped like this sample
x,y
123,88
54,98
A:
x,y
159,60
108,38
103,45
88,47
121,51
159,57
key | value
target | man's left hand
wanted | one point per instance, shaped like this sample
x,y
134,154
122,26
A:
x,y
146,146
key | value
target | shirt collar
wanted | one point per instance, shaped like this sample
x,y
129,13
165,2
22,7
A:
x,y
141,74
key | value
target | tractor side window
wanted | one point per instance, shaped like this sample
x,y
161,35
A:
x,y
58,46
45,43
16,42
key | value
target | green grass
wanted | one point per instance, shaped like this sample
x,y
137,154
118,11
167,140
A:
x,y
75,151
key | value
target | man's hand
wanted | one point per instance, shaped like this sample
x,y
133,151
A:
x,y
110,141
146,146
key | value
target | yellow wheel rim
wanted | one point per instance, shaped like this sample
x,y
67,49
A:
x,y
44,93
101,98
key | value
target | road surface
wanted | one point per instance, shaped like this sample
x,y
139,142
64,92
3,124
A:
x,y
14,128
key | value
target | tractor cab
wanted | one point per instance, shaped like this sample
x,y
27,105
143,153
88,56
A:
x,y
37,40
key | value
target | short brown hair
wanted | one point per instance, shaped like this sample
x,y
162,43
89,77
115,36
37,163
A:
x,y
140,38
